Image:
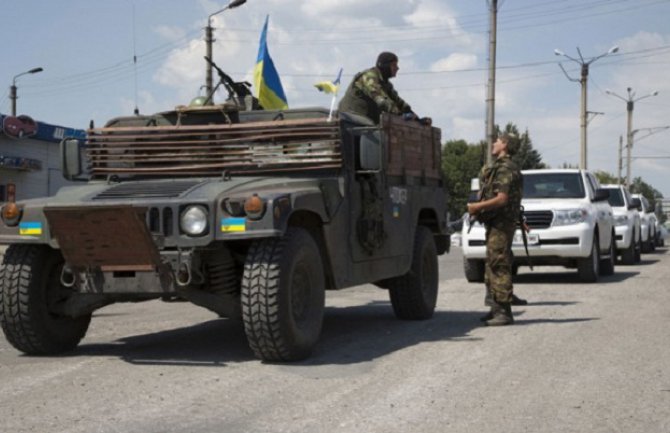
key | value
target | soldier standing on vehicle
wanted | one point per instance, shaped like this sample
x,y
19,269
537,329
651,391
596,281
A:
x,y
499,210
371,93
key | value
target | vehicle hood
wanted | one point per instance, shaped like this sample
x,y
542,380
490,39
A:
x,y
133,192
553,204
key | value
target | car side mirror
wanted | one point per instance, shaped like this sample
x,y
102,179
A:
x,y
370,151
601,195
635,204
70,158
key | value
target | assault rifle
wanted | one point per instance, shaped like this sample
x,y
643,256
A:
x,y
238,91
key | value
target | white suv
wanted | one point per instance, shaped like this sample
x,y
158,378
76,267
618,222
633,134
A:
x,y
648,225
571,222
627,219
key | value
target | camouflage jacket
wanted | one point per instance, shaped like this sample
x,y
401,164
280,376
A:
x,y
369,94
502,176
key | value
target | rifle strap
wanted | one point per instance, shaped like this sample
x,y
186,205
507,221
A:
x,y
522,226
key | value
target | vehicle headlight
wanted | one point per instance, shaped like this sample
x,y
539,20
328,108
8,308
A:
x,y
193,220
11,214
621,220
569,216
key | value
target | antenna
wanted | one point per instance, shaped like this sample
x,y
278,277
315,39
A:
x,y
137,110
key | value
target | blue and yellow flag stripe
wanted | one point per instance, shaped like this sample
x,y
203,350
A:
x,y
233,225
266,79
30,228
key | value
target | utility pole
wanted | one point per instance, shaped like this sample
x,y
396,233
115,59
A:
x,y
583,81
12,89
491,86
618,178
630,105
209,40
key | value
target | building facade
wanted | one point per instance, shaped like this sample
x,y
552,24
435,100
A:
x,y
30,157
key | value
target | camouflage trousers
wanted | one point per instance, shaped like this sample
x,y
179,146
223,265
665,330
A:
x,y
498,265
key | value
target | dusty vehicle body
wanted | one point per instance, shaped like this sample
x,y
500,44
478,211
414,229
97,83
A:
x,y
252,215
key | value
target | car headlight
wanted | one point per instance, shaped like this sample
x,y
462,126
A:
x,y
621,220
193,220
569,216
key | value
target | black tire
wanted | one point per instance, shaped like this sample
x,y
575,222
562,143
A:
x,y
474,270
589,268
628,256
646,246
283,296
29,289
652,241
414,295
638,249
607,264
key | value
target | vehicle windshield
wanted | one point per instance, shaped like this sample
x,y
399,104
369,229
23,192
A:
x,y
616,197
553,185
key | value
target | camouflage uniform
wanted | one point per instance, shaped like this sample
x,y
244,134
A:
x,y
369,94
503,176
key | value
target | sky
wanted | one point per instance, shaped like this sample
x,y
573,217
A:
x,y
101,59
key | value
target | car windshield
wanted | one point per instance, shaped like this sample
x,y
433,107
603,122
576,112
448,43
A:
x,y
616,197
553,185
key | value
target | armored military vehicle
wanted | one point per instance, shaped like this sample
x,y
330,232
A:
x,y
250,214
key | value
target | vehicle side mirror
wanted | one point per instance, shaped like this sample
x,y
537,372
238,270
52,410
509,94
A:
x,y
370,151
635,204
601,195
70,158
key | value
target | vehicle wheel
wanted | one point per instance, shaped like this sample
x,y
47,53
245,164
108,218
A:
x,y
629,254
589,268
474,270
652,241
607,264
414,295
283,296
646,245
30,288
638,249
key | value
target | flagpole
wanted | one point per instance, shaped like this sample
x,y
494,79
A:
x,y
332,107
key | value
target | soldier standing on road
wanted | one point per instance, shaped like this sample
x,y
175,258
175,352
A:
x,y
499,210
371,93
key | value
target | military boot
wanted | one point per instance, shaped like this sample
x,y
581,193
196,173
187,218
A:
x,y
502,315
489,302
488,316
518,301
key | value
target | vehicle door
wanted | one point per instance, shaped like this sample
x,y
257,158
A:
x,y
381,215
604,214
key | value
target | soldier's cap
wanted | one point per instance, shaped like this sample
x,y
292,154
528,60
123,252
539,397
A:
x,y
512,141
385,58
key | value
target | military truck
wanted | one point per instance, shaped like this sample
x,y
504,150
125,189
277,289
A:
x,y
250,214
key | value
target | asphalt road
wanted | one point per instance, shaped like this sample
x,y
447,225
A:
x,y
580,358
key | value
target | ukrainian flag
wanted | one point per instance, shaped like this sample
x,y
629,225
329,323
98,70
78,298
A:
x,y
30,228
266,80
330,86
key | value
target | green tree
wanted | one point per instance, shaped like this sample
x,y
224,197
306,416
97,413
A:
x,y
460,163
527,158
652,194
605,177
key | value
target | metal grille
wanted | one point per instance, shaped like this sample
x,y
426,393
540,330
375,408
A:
x,y
209,150
146,190
539,219
161,221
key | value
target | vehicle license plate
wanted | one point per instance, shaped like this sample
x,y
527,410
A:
x,y
533,239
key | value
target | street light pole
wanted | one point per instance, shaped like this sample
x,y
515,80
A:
x,y
209,40
630,105
583,81
12,89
